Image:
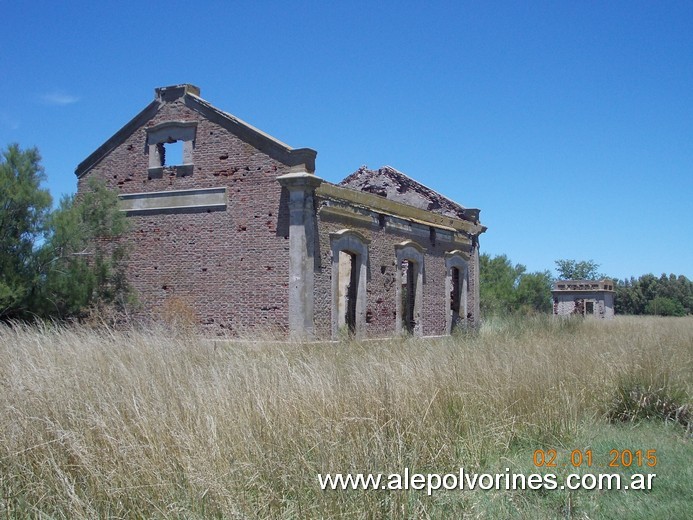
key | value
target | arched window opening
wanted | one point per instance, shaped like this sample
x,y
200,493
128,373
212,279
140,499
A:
x,y
410,274
170,145
349,278
456,290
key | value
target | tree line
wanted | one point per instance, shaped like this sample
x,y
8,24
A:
x,y
56,263
665,296
508,288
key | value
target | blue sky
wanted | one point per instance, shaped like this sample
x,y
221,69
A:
x,y
569,124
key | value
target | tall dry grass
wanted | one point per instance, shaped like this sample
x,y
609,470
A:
x,y
97,423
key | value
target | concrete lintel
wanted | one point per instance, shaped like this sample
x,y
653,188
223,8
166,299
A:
x,y
410,243
350,232
457,253
175,130
174,200
343,214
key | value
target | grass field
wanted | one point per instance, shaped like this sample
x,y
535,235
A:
x,y
97,423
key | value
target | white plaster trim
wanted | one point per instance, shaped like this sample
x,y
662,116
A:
x,y
414,253
460,260
212,198
351,241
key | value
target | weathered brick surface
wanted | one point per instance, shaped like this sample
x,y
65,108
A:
x,y
231,266
569,304
230,269
381,286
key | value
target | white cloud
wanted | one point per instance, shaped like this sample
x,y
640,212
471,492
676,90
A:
x,y
59,98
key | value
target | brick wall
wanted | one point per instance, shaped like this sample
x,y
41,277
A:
x,y
229,267
574,303
229,270
381,286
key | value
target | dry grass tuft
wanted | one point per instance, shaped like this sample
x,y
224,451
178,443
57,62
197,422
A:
x,y
97,423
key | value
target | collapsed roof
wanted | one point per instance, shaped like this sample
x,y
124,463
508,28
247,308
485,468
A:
x,y
395,185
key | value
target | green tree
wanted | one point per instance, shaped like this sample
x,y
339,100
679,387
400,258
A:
x,y
506,288
498,280
677,288
663,306
574,270
24,207
642,295
84,258
625,297
534,292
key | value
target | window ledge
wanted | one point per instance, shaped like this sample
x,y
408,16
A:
x,y
180,170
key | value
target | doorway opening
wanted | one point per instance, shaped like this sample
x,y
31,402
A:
x,y
589,308
348,291
455,297
409,278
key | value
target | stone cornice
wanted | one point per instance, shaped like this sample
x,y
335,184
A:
x,y
396,209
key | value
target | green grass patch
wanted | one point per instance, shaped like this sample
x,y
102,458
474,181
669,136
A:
x,y
610,447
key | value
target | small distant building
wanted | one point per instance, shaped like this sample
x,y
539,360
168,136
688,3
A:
x,y
584,297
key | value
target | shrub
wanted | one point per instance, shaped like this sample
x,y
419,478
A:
x,y
662,306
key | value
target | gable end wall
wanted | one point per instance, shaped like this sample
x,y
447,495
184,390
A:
x,y
228,269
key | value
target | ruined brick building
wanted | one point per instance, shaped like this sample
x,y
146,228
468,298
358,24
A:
x,y
239,228
589,298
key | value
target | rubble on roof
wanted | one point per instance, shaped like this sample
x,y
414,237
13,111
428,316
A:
x,y
395,185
